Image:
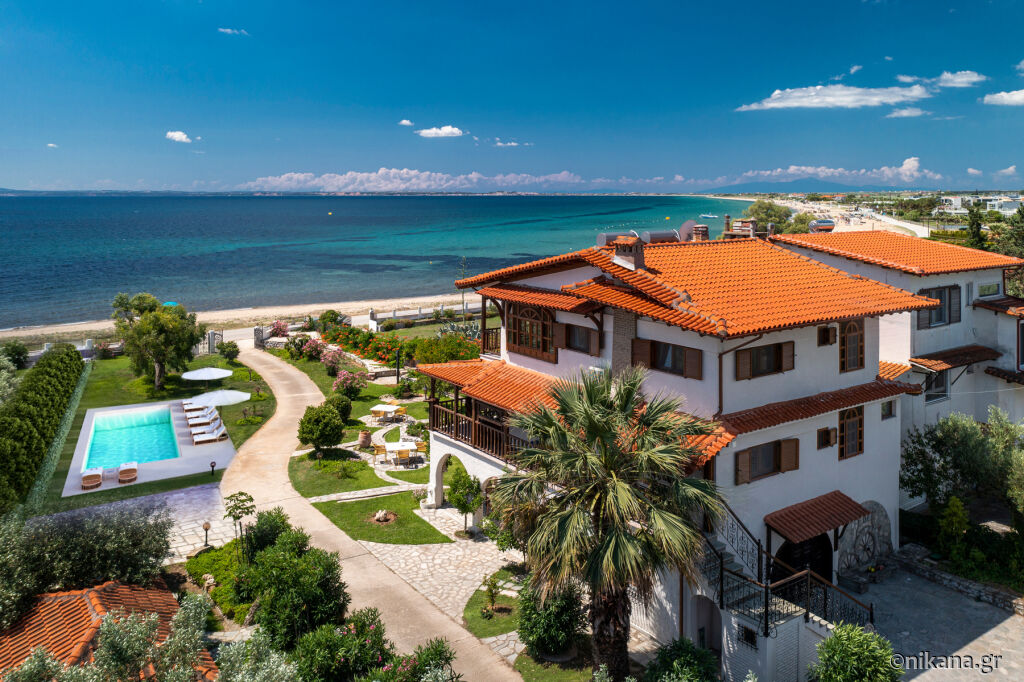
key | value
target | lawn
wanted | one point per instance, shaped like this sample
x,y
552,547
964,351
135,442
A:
x,y
112,383
393,435
340,471
580,669
430,330
506,618
422,475
356,519
315,369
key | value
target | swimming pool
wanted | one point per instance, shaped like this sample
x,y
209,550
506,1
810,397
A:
x,y
145,435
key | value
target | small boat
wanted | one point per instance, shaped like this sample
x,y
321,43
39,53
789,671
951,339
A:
x,y
707,215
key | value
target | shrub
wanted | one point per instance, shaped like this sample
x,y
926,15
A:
x,y
329,319
465,493
254,660
449,313
228,350
341,652
312,349
852,654
264,532
222,564
953,526
416,429
350,384
104,350
682,660
332,360
279,328
445,349
295,345
388,325
434,658
341,404
551,626
15,351
321,427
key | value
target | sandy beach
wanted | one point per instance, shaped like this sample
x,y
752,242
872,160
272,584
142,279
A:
x,y
247,317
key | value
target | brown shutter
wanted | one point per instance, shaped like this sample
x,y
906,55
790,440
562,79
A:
x,y
558,335
742,467
924,314
789,454
954,304
831,335
742,364
787,355
642,352
693,363
595,342
834,436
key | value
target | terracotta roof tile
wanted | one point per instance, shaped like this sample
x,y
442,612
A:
x,y
901,252
458,372
726,288
66,623
955,357
540,297
711,444
807,519
496,382
1008,375
892,370
1008,305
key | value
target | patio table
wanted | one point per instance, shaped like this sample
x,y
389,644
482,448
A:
x,y
386,412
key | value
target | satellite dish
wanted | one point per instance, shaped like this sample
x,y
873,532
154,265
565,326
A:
x,y
686,231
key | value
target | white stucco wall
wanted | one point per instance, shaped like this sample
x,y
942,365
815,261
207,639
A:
x,y
477,464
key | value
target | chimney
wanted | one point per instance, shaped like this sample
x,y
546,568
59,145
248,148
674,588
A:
x,y
728,222
701,233
629,253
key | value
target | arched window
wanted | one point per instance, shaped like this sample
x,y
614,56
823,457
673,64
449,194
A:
x,y
851,345
851,432
530,331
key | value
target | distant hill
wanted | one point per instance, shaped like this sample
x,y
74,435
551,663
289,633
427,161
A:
x,y
801,185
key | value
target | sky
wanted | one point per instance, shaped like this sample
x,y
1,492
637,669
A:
x,y
218,95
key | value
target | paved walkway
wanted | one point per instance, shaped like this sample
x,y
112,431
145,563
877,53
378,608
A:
x,y
917,615
261,469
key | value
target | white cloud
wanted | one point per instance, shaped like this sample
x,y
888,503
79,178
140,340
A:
x,y
907,79
1020,67
405,122
1013,98
887,58
960,79
906,112
837,97
51,145
974,171
909,171
177,136
855,68
233,31
1006,172
499,143
407,180
443,131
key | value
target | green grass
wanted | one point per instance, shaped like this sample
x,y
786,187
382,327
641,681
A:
x,y
502,622
422,475
315,369
393,435
430,330
221,563
112,383
339,472
580,669
356,519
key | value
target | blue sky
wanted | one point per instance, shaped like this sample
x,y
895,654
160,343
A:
x,y
668,96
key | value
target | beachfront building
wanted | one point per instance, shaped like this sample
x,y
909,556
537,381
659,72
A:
x,y
781,351
967,352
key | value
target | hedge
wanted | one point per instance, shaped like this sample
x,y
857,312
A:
x,y
31,420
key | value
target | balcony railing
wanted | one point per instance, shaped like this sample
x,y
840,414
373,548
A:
x,y
491,341
482,435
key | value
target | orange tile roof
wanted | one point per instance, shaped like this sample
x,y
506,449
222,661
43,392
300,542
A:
x,y
1007,375
727,288
496,382
773,414
807,519
892,370
710,445
540,297
902,252
1008,305
66,623
956,357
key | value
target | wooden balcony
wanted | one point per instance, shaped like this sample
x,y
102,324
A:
x,y
456,419
490,342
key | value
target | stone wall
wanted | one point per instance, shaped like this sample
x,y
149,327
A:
x,y
914,558
623,333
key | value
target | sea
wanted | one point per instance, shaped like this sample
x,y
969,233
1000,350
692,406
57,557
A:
x,y
63,258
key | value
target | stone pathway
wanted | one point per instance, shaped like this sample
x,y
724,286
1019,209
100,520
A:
x,y
917,616
507,645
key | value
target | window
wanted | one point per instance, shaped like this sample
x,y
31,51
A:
x,y
826,335
763,360
763,460
577,338
669,357
936,386
851,346
948,311
851,432
888,409
748,636
990,289
530,332
826,438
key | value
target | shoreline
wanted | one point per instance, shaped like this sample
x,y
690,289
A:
x,y
236,318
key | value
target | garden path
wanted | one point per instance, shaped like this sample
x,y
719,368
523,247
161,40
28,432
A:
x,y
261,469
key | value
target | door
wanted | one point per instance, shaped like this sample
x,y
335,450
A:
x,y
815,553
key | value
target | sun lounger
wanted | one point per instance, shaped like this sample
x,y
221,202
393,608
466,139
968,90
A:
x,y
192,407
204,419
208,428
128,472
218,435
92,478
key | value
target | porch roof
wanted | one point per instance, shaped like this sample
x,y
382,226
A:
x,y
1008,305
810,518
892,370
955,357
1007,375
496,382
556,300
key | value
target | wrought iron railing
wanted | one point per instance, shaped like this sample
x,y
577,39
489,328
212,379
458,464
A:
x,y
747,548
810,593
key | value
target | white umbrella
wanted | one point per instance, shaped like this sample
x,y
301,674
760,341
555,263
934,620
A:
x,y
207,374
223,397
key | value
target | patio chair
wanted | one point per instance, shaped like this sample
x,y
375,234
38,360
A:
x,y
212,437
421,446
400,414
379,415
203,419
207,428
379,451
192,407
393,401
402,457
128,472
92,478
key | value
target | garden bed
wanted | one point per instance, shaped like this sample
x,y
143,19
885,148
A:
x,y
506,612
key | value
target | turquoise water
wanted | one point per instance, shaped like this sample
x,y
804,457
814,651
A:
x,y
131,436
63,258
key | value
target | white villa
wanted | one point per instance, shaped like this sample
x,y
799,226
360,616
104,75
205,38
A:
x,y
781,350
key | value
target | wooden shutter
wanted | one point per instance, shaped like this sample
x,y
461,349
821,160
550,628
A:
x,y
833,436
789,454
693,363
558,335
642,352
954,304
831,335
742,467
787,355
924,315
595,342
742,364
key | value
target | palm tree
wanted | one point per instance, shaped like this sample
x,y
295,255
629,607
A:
x,y
603,498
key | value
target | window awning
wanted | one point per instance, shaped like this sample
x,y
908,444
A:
x,y
810,518
960,356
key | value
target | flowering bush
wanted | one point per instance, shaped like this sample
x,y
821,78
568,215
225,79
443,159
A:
x,y
279,328
343,652
351,384
312,349
331,360
294,346
435,657
104,350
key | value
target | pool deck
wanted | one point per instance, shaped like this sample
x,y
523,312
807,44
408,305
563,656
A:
x,y
193,459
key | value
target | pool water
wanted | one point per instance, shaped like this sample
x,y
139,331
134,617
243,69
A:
x,y
131,436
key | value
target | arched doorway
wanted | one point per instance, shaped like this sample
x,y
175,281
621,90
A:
x,y
489,485
707,619
815,553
